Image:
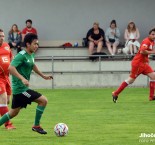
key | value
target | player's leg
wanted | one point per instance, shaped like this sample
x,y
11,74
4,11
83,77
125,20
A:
x,y
151,74
9,115
135,72
3,104
121,88
152,85
8,124
42,102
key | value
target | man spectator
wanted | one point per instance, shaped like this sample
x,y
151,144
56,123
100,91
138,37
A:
x,y
28,29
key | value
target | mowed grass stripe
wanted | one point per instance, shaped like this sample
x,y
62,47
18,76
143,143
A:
x,y
92,118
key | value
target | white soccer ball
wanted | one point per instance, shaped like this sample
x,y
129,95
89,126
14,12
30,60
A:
x,y
61,129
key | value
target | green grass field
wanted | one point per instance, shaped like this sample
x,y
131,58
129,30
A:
x,y
92,118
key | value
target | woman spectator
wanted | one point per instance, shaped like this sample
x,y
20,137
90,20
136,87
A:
x,y
95,38
15,38
112,37
132,35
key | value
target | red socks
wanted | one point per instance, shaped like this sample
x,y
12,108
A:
x,y
4,110
121,88
124,85
152,87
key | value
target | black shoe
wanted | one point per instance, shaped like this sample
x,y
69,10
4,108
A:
x,y
114,97
39,129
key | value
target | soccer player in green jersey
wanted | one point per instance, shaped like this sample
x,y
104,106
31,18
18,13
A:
x,y
21,68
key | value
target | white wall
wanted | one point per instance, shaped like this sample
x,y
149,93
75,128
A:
x,y
70,19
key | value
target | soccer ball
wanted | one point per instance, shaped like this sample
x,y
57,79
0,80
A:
x,y
61,129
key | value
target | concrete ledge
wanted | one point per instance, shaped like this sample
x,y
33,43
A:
x,y
73,74
86,80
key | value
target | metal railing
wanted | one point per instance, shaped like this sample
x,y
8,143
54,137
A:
x,y
100,58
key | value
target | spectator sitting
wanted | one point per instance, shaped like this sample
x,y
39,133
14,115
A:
x,y
15,38
132,35
112,37
28,29
95,37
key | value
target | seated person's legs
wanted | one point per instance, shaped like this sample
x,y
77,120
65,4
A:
x,y
18,47
109,47
99,46
135,49
91,47
114,45
131,49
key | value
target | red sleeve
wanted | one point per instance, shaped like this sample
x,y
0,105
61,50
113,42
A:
x,y
145,45
35,31
24,31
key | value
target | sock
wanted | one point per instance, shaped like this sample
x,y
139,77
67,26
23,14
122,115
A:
x,y
152,87
3,110
39,112
4,118
121,88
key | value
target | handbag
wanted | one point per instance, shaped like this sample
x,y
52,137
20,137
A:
x,y
84,42
111,40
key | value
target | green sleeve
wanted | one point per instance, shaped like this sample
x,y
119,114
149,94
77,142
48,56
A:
x,y
18,60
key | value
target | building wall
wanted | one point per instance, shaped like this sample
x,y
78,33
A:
x,y
70,19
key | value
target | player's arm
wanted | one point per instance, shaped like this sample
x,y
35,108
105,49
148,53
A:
x,y
144,49
15,73
36,70
147,52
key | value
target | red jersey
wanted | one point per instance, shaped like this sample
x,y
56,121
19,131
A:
x,y
32,30
146,44
5,59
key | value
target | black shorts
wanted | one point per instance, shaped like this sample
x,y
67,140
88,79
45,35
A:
x,y
22,99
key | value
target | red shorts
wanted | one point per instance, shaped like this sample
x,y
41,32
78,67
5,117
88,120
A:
x,y
5,86
142,68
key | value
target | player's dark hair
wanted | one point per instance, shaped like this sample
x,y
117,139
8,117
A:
x,y
29,20
29,38
152,30
1,30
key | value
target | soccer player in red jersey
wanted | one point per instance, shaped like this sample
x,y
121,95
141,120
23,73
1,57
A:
x,y
139,65
5,87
